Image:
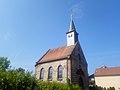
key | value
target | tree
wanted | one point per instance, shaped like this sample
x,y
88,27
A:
x,y
15,79
4,63
20,70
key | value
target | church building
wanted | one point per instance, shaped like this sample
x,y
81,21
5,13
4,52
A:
x,y
65,62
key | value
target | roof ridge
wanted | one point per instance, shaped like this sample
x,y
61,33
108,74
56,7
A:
x,y
108,67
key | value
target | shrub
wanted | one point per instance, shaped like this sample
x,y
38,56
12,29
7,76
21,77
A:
x,y
15,80
45,85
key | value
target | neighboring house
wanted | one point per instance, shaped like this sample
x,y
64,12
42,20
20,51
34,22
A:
x,y
65,62
108,77
91,80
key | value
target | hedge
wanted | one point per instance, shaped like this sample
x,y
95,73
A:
x,y
57,86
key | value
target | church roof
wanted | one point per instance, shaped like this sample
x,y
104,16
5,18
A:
x,y
57,54
105,71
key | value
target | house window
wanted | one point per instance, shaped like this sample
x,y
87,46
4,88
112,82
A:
x,y
42,74
50,71
60,72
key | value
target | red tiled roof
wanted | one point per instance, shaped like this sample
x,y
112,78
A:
x,y
105,71
57,54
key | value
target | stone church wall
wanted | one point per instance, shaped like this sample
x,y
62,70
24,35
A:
x,y
54,66
75,66
78,61
74,69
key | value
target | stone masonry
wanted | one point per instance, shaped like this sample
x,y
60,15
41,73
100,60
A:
x,y
54,66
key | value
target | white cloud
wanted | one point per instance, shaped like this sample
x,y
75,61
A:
x,y
76,10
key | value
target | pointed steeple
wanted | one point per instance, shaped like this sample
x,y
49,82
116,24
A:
x,y
72,26
72,35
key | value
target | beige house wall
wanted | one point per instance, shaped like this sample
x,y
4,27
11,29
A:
x,y
54,66
108,81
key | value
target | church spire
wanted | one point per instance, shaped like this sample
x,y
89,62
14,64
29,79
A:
x,y
72,35
72,26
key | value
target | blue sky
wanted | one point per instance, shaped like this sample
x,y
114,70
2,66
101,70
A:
x,y
28,28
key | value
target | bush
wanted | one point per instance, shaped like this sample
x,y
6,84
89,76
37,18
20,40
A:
x,y
44,85
15,80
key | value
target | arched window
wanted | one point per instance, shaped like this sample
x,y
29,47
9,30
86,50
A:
x,y
50,71
59,72
42,73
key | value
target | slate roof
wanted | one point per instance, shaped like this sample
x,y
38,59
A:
x,y
57,54
107,71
